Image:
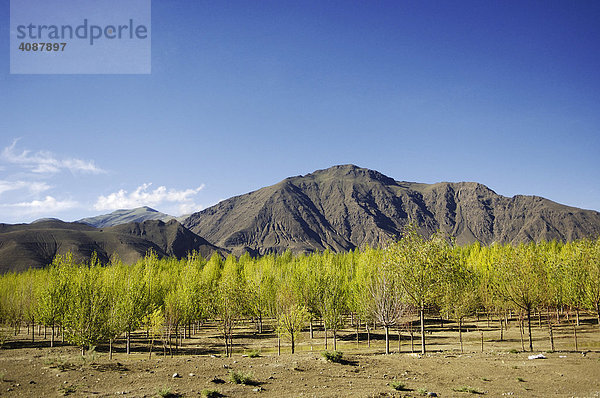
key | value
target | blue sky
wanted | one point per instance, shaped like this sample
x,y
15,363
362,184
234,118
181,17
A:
x,y
245,93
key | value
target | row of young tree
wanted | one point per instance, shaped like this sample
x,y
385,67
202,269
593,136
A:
x,y
88,304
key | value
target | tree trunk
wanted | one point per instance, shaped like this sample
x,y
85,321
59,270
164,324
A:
x,y
292,335
481,331
422,315
501,330
311,329
575,336
110,341
460,334
399,341
412,340
334,339
577,314
357,332
52,337
529,328
325,330
387,339
551,334
128,341
522,332
368,334
278,344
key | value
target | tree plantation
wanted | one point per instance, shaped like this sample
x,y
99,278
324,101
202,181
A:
x,y
402,288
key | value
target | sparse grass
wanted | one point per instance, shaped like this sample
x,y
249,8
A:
x,y
520,379
333,356
485,379
60,363
398,386
241,378
166,392
513,351
468,389
422,391
208,393
254,354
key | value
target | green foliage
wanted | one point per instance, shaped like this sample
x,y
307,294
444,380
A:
x,y
398,386
254,354
468,389
241,378
333,356
166,392
95,304
209,393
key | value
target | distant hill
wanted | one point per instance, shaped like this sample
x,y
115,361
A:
x,y
346,206
35,245
125,216
340,208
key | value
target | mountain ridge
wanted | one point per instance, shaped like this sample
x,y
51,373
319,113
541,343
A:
x,y
35,245
345,206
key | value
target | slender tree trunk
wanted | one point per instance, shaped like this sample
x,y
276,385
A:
x,y
577,315
128,341
460,334
368,334
412,339
539,313
550,331
598,312
357,332
292,335
325,329
387,339
110,341
529,328
334,339
522,332
575,336
481,331
422,315
278,344
52,336
399,341
312,336
501,330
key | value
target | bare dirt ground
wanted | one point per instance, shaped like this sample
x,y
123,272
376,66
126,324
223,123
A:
x,y
36,370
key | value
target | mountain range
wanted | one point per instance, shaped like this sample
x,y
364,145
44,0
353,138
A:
x,y
339,208
346,206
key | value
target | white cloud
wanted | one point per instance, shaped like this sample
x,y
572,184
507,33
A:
x,y
143,197
188,208
33,187
48,205
45,162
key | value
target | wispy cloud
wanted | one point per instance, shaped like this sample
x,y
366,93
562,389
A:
x,y
45,162
142,196
34,187
48,205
